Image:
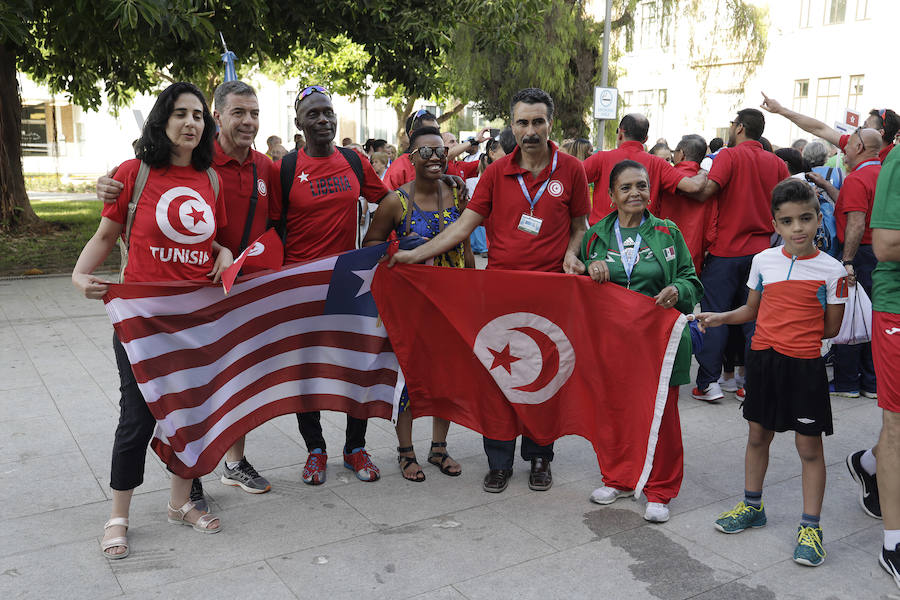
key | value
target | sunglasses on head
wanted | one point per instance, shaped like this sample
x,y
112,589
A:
x,y
419,113
427,152
312,89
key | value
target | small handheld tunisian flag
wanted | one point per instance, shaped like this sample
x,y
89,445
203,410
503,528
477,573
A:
x,y
213,367
267,252
544,354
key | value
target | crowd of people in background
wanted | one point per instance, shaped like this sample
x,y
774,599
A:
x,y
768,239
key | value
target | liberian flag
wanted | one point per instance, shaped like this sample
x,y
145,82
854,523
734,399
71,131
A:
x,y
212,368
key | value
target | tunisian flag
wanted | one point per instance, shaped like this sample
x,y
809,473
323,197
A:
x,y
213,367
541,354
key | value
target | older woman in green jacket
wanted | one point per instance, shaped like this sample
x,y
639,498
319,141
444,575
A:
x,y
634,249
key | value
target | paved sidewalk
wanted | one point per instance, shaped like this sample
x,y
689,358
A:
x,y
441,539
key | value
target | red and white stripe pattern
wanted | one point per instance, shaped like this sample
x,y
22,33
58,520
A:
x,y
213,367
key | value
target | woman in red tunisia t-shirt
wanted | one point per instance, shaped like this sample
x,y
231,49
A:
x,y
176,242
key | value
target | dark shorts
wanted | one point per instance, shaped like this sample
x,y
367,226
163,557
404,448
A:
x,y
787,394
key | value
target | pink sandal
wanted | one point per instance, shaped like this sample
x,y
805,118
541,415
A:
x,y
116,541
176,516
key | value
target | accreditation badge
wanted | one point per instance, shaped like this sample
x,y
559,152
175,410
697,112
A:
x,y
530,224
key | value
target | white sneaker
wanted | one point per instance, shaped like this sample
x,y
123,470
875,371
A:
x,y
871,395
729,385
740,380
608,495
712,393
656,512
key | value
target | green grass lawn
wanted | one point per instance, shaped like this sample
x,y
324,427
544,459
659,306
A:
x,y
75,222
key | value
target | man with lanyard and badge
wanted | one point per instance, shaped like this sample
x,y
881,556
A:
x,y
246,176
537,201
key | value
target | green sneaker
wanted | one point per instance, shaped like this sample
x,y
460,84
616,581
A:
x,y
809,550
740,518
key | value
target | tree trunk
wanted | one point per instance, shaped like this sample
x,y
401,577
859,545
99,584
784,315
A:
x,y
452,112
16,213
402,110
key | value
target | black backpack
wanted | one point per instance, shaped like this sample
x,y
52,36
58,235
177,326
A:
x,y
289,166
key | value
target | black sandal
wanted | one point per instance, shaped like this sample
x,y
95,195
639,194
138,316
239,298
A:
x,y
439,459
405,461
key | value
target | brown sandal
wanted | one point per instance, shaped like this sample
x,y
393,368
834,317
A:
x,y
406,461
439,459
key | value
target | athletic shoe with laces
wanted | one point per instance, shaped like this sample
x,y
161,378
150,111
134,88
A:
x,y
656,512
868,485
197,497
314,470
361,464
245,476
712,393
842,393
740,518
890,560
728,385
608,495
869,395
809,550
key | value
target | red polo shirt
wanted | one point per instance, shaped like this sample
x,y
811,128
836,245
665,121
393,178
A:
x,y
857,195
237,187
694,219
322,218
746,175
882,155
402,171
499,199
597,167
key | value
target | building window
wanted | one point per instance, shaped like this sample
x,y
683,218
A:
x,y
855,91
809,11
649,24
37,120
835,11
828,98
627,98
862,9
800,104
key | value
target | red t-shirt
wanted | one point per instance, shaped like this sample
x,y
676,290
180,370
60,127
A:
x,y
857,194
322,218
746,175
463,169
694,219
174,225
401,171
498,197
237,185
597,167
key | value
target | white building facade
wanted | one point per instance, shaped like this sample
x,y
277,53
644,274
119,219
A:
x,y
822,56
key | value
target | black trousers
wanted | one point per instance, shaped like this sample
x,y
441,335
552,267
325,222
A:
x,y
310,424
500,453
135,429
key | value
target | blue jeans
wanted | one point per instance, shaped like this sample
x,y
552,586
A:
x,y
854,369
724,280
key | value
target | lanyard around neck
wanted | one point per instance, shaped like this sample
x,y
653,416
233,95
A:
x,y
533,202
628,261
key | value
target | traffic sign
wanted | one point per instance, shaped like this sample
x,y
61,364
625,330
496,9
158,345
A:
x,y
605,102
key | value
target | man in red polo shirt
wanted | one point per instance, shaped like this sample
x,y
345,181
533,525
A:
x,y
321,221
537,201
854,369
246,186
630,138
743,176
696,220
885,121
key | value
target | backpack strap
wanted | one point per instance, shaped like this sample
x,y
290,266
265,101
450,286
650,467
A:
x,y
288,167
214,181
251,212
355,163
140,183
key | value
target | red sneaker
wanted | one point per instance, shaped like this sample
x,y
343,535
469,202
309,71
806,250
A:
x,y
314,471
360,463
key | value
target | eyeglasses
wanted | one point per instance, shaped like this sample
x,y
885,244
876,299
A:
x,y
859,137
312,89
426,152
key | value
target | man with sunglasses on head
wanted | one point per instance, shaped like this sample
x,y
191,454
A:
x,y
537,201
246,185
326,183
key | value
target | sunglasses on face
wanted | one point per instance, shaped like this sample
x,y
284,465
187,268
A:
x,y
426,152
